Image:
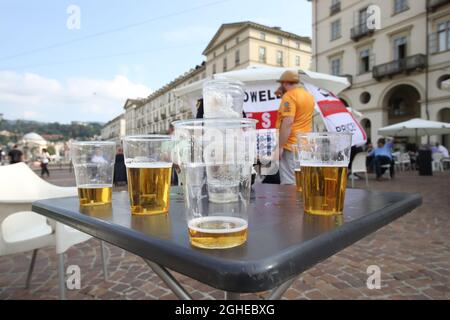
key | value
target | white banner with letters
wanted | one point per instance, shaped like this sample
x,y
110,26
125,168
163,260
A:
x,y
260,103
335,115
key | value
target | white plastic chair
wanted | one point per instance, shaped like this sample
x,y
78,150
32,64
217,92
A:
x,y
387,171
446,163
437,161
397,164
22,230
405,161
359,166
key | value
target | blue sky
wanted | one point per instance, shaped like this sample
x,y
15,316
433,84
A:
x,y
49,72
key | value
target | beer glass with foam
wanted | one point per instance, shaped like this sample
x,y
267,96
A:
x,y
93,163
324,159
216,158
149,170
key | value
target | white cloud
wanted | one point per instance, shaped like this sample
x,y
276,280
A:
x,y
30,115
32,96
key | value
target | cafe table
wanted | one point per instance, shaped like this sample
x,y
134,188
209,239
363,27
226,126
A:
x,y
282,243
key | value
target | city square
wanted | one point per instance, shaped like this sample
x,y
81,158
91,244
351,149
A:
x,y
412,253
253,151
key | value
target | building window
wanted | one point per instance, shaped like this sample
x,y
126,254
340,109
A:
x,y
364,61
225,64
214,54
298,45
280,40
214,71
262,55
336,66
335,29
400,5
224,47
443,36
262,36
362,21
280,59
400,48
237,40
237,57
297,61
335,6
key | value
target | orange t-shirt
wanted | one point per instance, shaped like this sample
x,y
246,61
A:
x,y
299,104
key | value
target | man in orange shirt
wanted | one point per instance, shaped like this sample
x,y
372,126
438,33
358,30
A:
x,y
294,116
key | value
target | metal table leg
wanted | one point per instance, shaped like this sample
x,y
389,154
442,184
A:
x,y
62,277
277,293
104,260
182,294
169,280
232,296
30,270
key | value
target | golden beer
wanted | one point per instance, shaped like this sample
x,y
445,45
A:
x,y
298,179
218,232
324,189
149,188
94,195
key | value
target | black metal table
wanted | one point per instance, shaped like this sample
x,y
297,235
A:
x,y
283,241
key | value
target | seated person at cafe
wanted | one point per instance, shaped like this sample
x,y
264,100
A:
x,y
439,148
381,156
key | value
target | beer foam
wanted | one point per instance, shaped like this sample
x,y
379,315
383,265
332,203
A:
x,y
94,186
242,224
324,164
149,165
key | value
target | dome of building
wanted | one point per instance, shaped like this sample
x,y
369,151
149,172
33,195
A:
x,y
34,138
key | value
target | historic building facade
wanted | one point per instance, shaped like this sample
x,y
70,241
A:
x,y
397,70
234,46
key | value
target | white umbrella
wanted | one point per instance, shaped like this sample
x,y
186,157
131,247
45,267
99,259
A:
x,y
416,128
255,74
193,92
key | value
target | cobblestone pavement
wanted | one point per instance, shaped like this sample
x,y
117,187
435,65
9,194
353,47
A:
x,y
413,254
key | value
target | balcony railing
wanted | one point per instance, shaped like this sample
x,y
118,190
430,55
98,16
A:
x,y
335,8
412,63
432,5
359,31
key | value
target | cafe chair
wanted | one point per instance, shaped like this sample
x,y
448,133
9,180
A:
x,y
397,163
446,163
22,230
437,162
359,166
405,162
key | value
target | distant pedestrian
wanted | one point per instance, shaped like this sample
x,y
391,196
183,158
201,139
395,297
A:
x,y
2,157
45,160
15,155
120,171
176,170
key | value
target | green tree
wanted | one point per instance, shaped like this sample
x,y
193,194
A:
x,y
51,150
